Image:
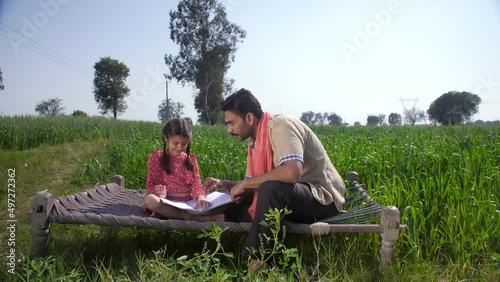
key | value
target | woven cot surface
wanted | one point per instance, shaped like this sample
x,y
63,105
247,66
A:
x,y
104,199
112,205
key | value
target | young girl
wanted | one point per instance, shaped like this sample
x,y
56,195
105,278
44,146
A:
x,y
173,174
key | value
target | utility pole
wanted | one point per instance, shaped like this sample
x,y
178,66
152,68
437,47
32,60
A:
x,y
166,90
408,100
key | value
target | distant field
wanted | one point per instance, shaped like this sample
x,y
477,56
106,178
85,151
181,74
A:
x,y
444,180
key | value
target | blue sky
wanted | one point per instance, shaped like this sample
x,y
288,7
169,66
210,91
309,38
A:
x,y
354,58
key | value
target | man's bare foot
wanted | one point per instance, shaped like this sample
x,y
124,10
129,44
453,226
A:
x,y
218,217
211,217
255,265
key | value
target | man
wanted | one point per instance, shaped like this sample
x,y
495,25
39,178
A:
x,y
287,166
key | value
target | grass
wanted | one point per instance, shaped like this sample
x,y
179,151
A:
x,y
444,180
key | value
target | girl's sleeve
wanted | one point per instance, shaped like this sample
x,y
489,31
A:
x,y
197,188
153,172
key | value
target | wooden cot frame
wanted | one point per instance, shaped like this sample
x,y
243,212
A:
x,y
113,205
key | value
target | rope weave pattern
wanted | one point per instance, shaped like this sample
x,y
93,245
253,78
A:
x,y
112,205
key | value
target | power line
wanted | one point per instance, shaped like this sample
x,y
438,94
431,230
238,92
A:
x,y
47,57
26,41
42,50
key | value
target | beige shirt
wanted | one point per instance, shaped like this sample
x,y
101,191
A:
x,y
292,139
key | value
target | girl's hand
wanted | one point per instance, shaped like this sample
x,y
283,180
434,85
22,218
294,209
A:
x,y
161,191
202,202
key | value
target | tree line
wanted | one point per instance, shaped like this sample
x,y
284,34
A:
x,y
451,108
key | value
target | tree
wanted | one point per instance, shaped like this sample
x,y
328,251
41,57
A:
x,y
334,119
175,110
228,87
1,80
78,113
207,45
109,86
394,119
311,118
372,120
381,119
319,118
50,107
307,117
479,122
454,107
413,115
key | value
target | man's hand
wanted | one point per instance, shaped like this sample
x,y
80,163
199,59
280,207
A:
x,y
161,191
237,192
202,202
211,184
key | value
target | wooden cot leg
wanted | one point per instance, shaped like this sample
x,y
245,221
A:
x,y
118,179
352,176
39,217
390,223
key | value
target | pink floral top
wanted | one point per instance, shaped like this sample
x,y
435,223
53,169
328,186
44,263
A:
x,y
181,180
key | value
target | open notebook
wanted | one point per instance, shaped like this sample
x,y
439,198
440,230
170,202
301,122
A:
x,y
216,199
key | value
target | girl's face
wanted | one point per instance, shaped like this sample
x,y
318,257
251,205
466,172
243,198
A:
x,y
176,145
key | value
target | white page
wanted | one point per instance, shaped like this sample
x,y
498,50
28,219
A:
x,y
216,199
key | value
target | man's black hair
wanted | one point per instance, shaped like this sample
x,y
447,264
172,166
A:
x,y
241,103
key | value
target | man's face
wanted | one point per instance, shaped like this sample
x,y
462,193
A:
x,y
237,126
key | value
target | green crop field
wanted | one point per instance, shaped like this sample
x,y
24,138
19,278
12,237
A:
x,y
444,180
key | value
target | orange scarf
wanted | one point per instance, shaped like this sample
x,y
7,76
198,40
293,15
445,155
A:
x,y
263,156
